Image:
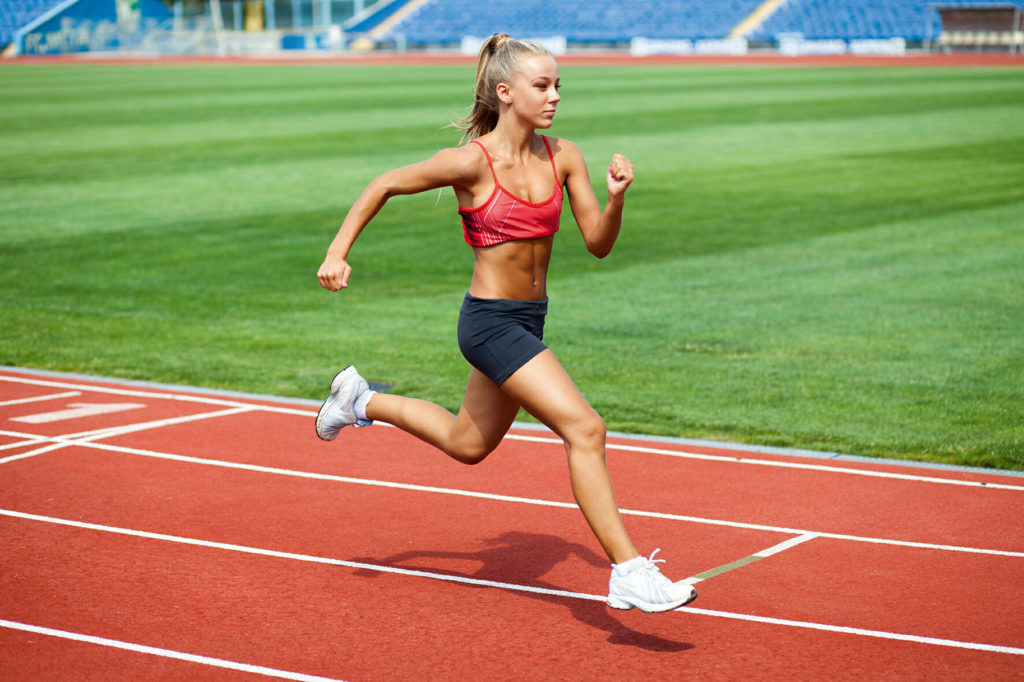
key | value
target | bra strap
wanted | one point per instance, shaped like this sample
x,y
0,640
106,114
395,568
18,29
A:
x,y
489,163
551,155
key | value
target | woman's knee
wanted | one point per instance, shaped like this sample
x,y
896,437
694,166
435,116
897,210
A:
x,y
587,432
468,451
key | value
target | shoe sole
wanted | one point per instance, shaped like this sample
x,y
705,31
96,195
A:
x,y
335,387
623,605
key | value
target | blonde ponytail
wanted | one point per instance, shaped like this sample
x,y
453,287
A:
x,y
498,62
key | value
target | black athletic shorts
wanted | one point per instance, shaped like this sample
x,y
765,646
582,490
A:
x,y
498,336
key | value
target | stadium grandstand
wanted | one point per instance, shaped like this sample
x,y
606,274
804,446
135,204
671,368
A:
x,y
580,21
16,14
444,22
252,26
914,20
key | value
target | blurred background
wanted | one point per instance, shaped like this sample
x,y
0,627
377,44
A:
x,y
274,27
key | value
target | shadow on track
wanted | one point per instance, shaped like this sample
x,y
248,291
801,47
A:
x,y
523,559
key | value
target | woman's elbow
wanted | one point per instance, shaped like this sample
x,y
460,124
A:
x,y
599,250
382,188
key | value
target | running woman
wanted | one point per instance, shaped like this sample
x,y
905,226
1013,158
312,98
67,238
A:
x,y
508,181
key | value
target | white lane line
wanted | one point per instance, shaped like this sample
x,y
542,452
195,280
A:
x,y
783,546
24,442
85,437
111,431
538,439
308,558
881,634
40,398
528,500
77,411
164,653
155,395
785,465
33,453
935,641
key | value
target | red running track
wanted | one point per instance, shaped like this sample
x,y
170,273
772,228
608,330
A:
x,y
159,533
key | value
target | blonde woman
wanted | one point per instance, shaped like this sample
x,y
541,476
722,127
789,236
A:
x,y
509,183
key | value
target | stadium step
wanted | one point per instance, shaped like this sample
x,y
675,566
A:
x,y
368,41
756,18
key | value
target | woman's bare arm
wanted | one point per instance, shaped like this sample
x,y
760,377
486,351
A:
x,y
455,167
600,229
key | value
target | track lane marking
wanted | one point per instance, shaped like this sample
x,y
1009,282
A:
x,y
164,653
539,439
785,465
111,431
756,556
863,632
308,558
85,437
25,440
77,411
32,453
40,398
155,395
527,500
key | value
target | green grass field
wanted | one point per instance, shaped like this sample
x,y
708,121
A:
x,y
818,258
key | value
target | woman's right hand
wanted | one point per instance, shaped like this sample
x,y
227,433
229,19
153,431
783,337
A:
x,y
334,273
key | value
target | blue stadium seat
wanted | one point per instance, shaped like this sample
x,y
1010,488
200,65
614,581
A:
x,y
859,19
445,22
15,14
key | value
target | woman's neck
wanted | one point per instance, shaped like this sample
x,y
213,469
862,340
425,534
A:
x,y
511,138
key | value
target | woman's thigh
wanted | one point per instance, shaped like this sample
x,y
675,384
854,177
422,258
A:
x,y
545,390
486,414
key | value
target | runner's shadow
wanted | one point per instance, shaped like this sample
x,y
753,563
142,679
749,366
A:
x,y
523,559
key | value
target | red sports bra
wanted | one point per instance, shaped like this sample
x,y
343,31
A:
x,y
505,217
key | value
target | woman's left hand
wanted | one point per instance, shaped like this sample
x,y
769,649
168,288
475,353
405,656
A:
x,y
620,174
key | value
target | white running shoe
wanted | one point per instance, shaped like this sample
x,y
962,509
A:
x,y
647,589
338,411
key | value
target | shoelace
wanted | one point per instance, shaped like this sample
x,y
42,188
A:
x,y
649,563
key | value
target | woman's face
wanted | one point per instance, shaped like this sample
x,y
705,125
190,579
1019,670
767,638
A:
x,y
533,93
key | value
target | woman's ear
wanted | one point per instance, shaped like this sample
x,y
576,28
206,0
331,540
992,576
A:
x,y
504,93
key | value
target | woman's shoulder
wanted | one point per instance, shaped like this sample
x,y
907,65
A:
x,y
464,153
462,161
564,151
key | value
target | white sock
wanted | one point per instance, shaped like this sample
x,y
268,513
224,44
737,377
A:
x,y
360,405
627,567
